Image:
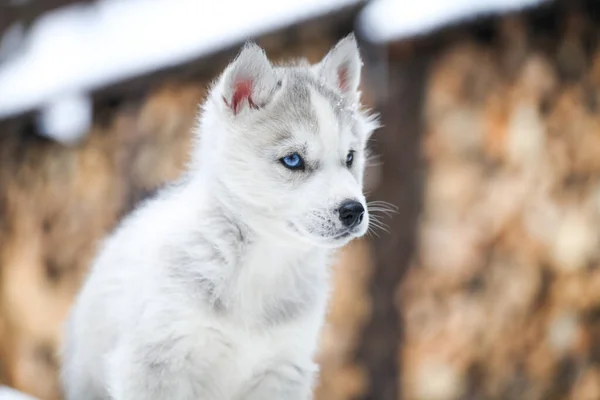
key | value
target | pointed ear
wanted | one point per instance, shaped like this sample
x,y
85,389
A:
x,y
341,67
249,81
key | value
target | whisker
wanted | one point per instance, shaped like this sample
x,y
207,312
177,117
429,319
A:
x,y
381,213
382,208
378,210
385,211
379,222
379,228
374,229
382,203
376,217
371,232
379,225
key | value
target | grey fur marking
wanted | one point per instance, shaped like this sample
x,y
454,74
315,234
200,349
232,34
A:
x,y
186,265
150,356
296,92
286,380
340,104
287,310
298,301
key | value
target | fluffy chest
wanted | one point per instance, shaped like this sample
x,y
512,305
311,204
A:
x,y
275,286
255,353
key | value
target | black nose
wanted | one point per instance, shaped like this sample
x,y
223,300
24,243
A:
x,y
351,213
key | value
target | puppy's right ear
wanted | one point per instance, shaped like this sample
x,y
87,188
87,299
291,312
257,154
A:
x,y
249,81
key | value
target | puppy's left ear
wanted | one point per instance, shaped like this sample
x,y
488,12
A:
x,y
341,67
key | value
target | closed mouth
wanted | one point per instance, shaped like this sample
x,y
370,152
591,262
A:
x,y
339,236
343,235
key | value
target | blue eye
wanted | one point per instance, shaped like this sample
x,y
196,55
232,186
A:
x,y
293,161
350,158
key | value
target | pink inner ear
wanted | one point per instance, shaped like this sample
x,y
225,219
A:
x,y
343,78
243,91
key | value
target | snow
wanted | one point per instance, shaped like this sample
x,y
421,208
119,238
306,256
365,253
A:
x,y
78,48
11,394
74,50
66,119
386,20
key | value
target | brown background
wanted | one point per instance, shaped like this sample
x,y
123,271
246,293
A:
x,y
487,285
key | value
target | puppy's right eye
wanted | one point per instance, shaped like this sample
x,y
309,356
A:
x,y
293,161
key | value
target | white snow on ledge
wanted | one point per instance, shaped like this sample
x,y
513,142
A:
x,y
74,50
11,394
387,20
80,48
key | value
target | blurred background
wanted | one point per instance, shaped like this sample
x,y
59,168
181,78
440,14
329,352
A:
x,y
486,284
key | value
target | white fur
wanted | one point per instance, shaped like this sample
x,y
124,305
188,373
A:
x,y
217,288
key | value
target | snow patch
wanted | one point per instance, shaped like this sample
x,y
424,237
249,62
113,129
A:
x,y
66,119
80,48
387,20
11,394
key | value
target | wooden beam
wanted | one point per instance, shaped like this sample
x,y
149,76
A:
x,y
397,144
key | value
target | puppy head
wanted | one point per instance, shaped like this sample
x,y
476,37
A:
x,y
288,143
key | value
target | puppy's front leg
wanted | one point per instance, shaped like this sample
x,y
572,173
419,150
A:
x,y
285,381
169,368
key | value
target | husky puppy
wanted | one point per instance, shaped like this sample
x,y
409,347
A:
x,y
216,289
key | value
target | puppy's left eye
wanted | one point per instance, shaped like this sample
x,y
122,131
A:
x,y
350,158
